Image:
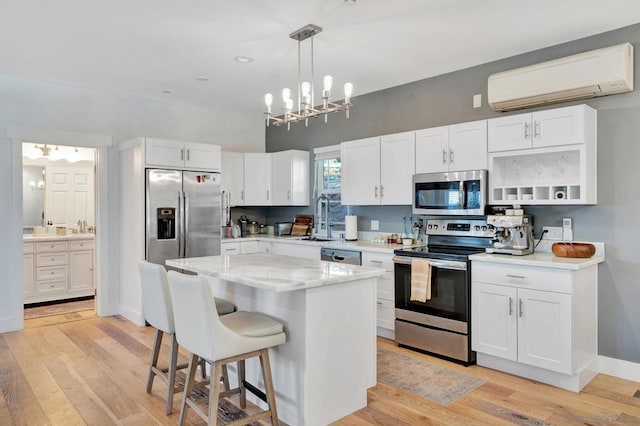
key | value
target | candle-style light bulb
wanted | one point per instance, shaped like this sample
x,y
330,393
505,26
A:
x,y
286,95
328,82
268,100
306,88
288,104
348,90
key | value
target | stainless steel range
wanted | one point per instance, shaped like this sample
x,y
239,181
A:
x,y
441,325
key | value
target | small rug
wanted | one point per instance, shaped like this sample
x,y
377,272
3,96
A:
x,y
439,384
59,309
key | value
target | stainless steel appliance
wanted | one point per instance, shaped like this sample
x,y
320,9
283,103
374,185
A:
x,y
351,257
440,325
283,228
512,234
183,212
450,193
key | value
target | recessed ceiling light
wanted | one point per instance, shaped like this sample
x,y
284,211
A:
x,y
202,78
243,59
166,92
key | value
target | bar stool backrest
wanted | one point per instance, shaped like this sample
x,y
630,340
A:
x,y
156,299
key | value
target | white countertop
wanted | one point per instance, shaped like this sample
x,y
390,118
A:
x,y
274,272
348,245
545,260
54,237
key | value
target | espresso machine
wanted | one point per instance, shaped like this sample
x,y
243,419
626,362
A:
x,y
512,234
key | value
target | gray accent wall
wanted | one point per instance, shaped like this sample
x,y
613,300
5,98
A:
x,y
447,99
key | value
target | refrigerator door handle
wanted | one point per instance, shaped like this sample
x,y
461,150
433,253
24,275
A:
x,y
180,225
185,200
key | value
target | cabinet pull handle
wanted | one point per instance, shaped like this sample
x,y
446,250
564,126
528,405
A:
x,y
267,195
520,307
381,191
375,261
182,154
536,129
450,156
444,156
379,303
375,191
231,249
526,130
188,155
519,277
288,194
242,195
510,306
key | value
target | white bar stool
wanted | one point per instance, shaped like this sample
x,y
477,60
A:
x,y
158,311
221,340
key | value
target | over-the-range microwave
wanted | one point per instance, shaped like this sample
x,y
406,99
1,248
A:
x,y
450,193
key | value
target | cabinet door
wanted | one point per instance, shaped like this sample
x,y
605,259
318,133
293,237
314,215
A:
x,y
80,270
281,164
27,274
360,172
300,187
561,126
432,150
397,166
511,132
164,153
385,315
257,179
544,329
229,248
296,250
202,156
494,321
468,146
233,176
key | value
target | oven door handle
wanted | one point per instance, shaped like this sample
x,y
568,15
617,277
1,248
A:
x,y
442,264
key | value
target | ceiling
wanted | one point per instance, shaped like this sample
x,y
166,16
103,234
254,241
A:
x,y
145,47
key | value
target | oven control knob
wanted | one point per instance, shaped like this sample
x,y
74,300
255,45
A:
x,y
484,228
430,226
435,226
476,228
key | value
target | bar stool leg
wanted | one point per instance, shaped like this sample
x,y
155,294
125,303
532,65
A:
x,y
225,377
173,363
154,359
268,382
241,379
203,369
214,393
188,386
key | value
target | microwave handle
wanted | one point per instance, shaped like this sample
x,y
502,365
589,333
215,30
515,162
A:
x,y
462,194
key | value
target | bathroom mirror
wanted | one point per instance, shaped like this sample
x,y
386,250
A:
x,y
33,179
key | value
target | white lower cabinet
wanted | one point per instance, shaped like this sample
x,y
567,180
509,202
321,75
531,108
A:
x,y
28,283
545,318
244,247
385,293
296,250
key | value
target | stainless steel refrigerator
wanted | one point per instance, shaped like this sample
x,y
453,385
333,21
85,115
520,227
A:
x,y
183,211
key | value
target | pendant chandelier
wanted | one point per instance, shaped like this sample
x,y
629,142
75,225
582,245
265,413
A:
x,y
306,105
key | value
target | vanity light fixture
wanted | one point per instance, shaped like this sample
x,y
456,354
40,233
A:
x,y
306,105
44,148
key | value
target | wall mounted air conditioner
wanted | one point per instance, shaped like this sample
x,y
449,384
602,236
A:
x,y
585,75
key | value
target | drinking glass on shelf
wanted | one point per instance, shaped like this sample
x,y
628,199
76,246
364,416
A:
x,y
562,166
516,170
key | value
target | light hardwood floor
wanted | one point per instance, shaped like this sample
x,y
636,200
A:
x,y
80,369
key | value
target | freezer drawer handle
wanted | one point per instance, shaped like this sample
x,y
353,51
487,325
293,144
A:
x,y
182,154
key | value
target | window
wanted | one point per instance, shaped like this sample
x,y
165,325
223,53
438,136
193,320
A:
x,y
327,188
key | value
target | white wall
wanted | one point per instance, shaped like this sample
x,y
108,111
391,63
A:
x,y
61,109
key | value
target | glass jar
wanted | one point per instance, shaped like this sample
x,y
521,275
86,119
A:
x,y
252,229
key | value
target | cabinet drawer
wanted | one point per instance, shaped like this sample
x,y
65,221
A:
x,y
230,248
386,289
51,286
386,314
81,245
51,246
378,260
546,279
249,247
52,259
51,273
27,247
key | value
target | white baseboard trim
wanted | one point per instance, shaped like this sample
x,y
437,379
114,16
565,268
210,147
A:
x,y
619,368
133,316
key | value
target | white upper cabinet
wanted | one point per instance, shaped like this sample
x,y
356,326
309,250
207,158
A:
x,y
378,171
182,155
452,148
290,178
553,127
233,177
257,179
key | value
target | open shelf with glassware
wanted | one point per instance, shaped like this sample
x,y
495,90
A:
x,y
550,175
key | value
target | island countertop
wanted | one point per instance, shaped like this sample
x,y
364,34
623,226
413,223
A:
x,y
274,272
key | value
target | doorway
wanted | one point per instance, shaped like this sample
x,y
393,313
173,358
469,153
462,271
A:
x,y
58,228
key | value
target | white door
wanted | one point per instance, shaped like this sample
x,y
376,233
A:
x,y
544,330
80,270
360,172
468,146
202,156
432,150
561,126
164,153
233,176
397,166
511,132
257,179
281,164
494,320
70,195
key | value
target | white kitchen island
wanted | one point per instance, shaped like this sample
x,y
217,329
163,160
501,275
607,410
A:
x,y
323,371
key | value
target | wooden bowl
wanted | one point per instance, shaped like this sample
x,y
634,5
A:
x,y
582,250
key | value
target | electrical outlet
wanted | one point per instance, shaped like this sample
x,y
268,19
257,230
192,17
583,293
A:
x,y
477,100
553,233
375,225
